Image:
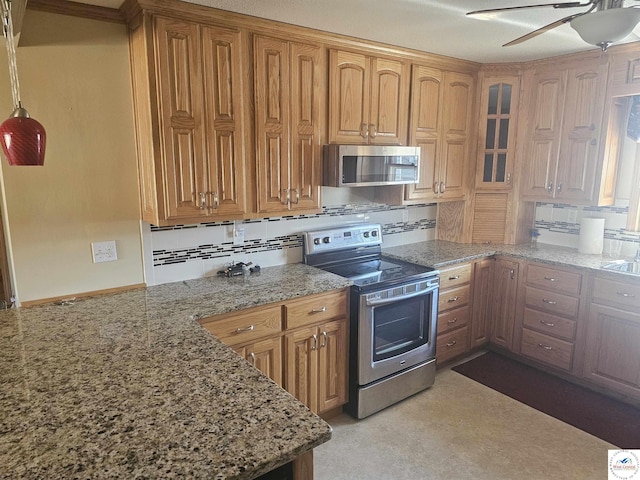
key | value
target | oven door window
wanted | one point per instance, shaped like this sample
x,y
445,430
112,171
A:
x,y
400,326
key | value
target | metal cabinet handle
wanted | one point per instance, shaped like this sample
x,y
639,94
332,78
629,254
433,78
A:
x,y
546,347
594,142
550,302
454,277
592,127
550,188
253,358
443,187
318,310
508,179
512,274
324,340
547,324
436,187
452,321
203,201
626,295
551,279
315,342
451,343
246,329
374,131
215,199
297,196
559,187
453,299
364,130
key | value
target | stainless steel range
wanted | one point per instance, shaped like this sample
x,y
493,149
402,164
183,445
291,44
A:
x,y
394,311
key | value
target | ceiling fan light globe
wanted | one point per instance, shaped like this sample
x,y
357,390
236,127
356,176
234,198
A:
x,y
606,26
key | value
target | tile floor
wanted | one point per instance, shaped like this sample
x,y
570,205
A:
x,y
459,429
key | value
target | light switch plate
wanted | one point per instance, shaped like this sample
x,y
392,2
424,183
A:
x,y
238,236
104,251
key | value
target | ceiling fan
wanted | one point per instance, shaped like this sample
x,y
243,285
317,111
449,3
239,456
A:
x,y
603,23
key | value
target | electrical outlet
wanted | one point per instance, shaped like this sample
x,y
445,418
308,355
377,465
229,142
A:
x,y
104,251
238,236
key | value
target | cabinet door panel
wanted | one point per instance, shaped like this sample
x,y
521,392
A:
x,y
266,356
224,122
272,122
180,88
482,302
302,366
307,118
332,365
546,105
505,284
387,123
349,93
425,110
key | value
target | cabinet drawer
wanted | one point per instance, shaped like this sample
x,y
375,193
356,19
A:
x,y
243,326
547,349
453,298
454,276
456,318
552,302
549,324
315,308
452,344
554,280
612,292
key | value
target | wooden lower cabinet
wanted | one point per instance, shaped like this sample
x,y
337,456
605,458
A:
x,y
317,365
483,294
612,355
266,356
453,312
503,314
300,344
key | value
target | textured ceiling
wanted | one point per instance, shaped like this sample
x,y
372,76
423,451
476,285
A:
x,y
437,26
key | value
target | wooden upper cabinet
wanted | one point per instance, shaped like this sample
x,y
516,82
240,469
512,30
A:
x,y
289,97
188,95
565,120
368,99
499,98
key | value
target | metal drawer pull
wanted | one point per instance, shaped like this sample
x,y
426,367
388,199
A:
x,y
454,299
455,277
550,302
253,359
454,320
451,343
315,342
247,329
626,295
319,310
547,324
324,340
551,279
546,347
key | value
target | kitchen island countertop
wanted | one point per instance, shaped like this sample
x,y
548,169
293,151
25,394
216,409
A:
x,y
129,385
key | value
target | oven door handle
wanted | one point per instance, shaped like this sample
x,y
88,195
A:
x,y
386,301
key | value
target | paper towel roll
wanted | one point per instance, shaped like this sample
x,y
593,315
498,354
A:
x,y
591,235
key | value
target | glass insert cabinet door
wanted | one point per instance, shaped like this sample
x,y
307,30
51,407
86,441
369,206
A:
x,y
496,147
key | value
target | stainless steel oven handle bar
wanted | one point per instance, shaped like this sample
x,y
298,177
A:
x,y
377,303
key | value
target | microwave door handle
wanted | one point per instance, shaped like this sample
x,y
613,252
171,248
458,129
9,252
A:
x,y
386,301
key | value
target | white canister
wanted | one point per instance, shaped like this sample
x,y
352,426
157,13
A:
x,y
591,235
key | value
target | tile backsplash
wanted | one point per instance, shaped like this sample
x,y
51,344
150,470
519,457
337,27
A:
x,y
193,251
559,224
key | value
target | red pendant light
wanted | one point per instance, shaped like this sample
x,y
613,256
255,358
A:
x,y
22,138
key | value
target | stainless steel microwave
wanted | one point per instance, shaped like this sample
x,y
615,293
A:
x,y
369,165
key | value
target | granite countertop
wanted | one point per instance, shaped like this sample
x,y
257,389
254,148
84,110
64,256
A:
x,y
440,254
129,385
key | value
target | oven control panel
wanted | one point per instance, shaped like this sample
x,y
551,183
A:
x,y
339,238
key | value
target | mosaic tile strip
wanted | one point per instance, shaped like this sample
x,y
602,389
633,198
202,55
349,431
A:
x,y
294,240
611,209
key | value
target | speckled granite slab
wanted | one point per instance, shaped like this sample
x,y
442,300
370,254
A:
x,y
440,253
128,386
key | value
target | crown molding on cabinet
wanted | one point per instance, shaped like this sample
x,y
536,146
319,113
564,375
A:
x,y
75,9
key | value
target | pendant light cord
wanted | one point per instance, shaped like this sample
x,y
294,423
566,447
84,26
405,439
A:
x,y
7,24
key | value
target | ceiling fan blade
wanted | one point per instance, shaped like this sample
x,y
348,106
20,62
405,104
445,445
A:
x,y
541,30
554,5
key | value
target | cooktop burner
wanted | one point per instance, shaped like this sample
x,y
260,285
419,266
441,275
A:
x,y
354,252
